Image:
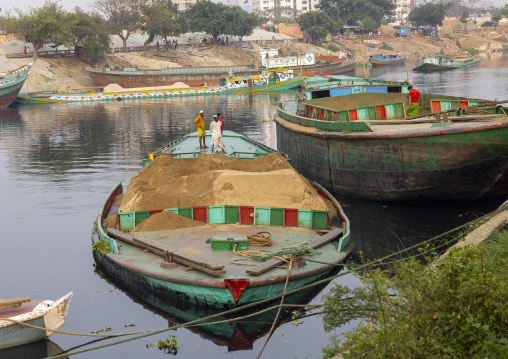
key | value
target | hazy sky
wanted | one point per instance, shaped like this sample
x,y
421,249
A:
x,y
25,4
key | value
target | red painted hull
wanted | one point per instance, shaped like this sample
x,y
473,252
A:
x,y
190,76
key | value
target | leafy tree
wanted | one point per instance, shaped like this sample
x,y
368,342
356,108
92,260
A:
x,y
504,10
456,307
122,15
219,19
351,11
465,15
159,19
283,20
41,25
431,14
496,17
89,31
368,23
317,24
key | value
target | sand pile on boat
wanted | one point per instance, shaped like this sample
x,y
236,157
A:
x,y
210,180
166,220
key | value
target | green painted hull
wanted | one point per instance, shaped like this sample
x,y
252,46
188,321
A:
x,y
142,275
456,162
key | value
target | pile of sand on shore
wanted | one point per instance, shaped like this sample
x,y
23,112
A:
x,y
166,220
209,180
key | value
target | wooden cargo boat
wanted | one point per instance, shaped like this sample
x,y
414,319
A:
x,y
361,145
154,265
191,76
11,83
385,60
46,314
440,62
276,80
319,87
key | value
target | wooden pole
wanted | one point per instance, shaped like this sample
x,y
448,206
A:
x,y
405,60
363,59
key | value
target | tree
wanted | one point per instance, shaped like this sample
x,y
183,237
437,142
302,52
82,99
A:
x,y
465,15
122,15
90,32
430,14
317,24
504,10
159,19
219,19
41,25
368,23
496,16
352,11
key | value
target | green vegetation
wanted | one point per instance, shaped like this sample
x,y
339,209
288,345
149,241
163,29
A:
x,y
465,15
387,47
351,11
317,24
496,16
170,345
107,329
101,247
159,19
455,307
429,14
283,20
504,10
219,19
88,31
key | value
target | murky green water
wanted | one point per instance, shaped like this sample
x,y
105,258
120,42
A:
x,y
58,163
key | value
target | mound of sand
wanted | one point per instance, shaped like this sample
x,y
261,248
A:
x,y
166,221
209,180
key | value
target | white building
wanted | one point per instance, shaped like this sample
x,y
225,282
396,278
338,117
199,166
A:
x,y
283,8
402,10
183,4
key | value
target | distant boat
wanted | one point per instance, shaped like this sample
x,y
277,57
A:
x,y
274,80
191,76
385,60
46,314
441,62
11,83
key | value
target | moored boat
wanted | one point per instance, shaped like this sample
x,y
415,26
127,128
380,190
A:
x,y
11,83
441,62
281,79
191,76
385,60
363,146
46,314
242,196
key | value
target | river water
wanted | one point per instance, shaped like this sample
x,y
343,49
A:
x,y
58,163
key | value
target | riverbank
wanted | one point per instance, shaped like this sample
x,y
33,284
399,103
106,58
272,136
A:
x,y
69,73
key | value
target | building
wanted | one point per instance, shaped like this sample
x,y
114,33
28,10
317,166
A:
x,y
402,10
283,8
183,4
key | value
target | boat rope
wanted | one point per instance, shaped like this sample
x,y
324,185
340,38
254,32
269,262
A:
x,y
286,254
278,312
376,262
260,239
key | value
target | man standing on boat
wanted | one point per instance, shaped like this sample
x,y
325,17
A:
x,y
414,99
200,124
301,96
216,135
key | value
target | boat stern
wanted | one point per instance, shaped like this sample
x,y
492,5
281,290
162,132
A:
x,y
56,313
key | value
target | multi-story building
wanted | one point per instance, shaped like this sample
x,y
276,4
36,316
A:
x,y
183,4
283,8
402,10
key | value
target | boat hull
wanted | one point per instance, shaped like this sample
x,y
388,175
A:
x,y
326,69
378,63
453,163
11,83
430,67
189,76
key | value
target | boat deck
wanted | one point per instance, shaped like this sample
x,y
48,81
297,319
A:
x,y
192,242
236,145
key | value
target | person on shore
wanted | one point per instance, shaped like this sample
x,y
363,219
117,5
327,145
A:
x,y
132,46
113,50
157,45
200,124
216,135
301,96
414,99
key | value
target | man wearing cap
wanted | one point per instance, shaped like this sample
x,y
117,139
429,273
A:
x,y
301,96
216,135
200,124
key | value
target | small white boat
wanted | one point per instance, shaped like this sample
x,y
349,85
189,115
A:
x,y
45,314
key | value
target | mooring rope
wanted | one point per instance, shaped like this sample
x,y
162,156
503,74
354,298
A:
x,y
379,261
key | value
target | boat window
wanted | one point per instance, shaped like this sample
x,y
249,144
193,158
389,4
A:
x,y
320,94
394,89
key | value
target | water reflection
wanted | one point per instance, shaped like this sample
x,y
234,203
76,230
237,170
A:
x,y
36,350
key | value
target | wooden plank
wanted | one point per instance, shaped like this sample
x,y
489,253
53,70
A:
x,y
13,302
159,249
274,262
